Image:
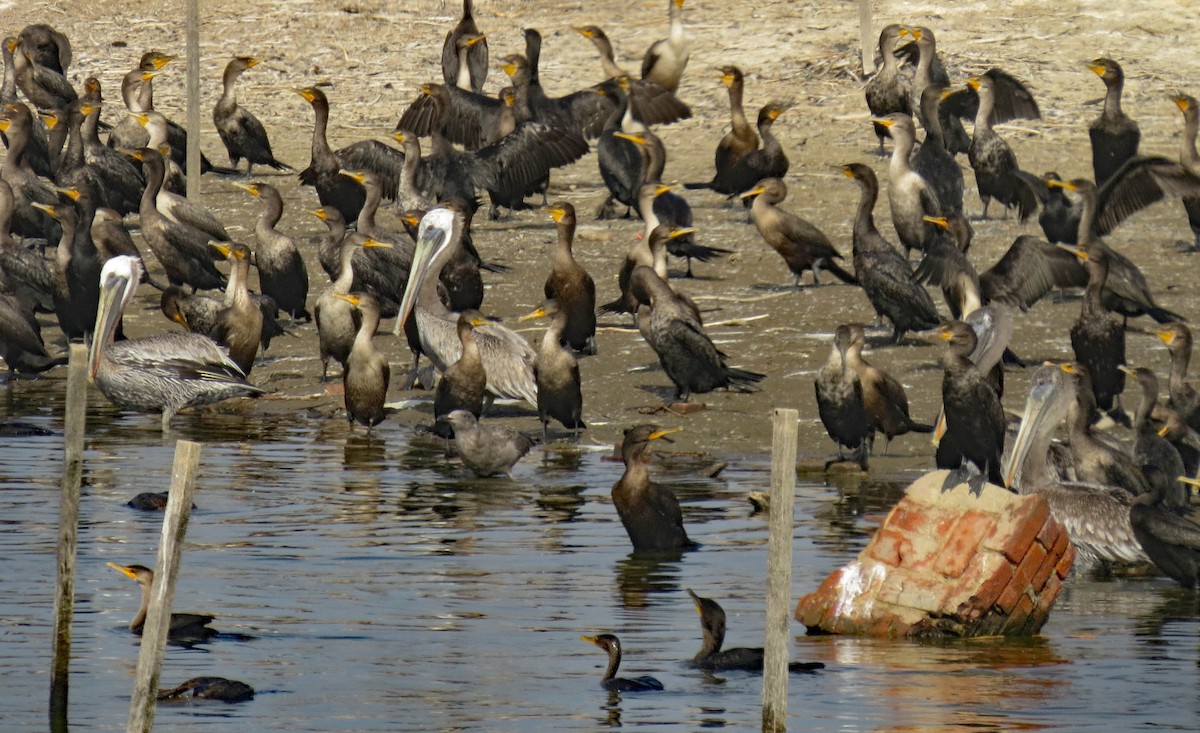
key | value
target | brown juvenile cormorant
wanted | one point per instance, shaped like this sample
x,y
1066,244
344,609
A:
x,y
1096,517
646,252
801,245
463,385
473,73
244,136
488,450
1114,134
21,345
649,511
281,271
997,174
882,394
1171,541
685,352
840,402
239,324
42,85
1095,461
768,161
1184,399
47,46
17,122
329,245
75,277
185,627
208,688
322,172
557,372
738,142
367,374
333,315
611,682
910,197
1154,455
45,143
930,71
885,276
974,440
713,658
887,92
570,284
666,58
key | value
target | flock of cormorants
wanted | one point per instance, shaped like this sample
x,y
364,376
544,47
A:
x,y
65,190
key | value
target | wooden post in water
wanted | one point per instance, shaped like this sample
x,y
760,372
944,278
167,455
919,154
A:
x,y
158,619
193,98
779,569
864,32
74,420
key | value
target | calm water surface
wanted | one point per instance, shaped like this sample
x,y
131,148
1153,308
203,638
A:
x,y
384,591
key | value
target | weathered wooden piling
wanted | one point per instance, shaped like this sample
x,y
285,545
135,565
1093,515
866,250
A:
x,y
74,421
193,99
865,36
166,569
779,569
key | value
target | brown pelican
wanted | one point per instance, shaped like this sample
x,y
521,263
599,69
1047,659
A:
x,y
1096,517
164,372
507,357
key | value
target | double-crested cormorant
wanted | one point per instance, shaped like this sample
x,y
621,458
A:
x,y
974,438
737,143
930,71
1094,460
334,189
570,284
465,63
882,394
910,197
336,329
239,325
44,86
409,194
801,245
181,249
45,144
1154,455
712,658
1171,541
281,271
165,372
23,272
198,312
1096,517
1184,399
1114,134
244,136
768,161
840,401
137,92
685,352
329,246
208,688
557,372
649,511
16,121
646,252
997,174
185,627
887,92
21,345
486,449
933,161
463,385
611,682
1060,217
1098,335
367,373
885,276
47,46
666,59
507,357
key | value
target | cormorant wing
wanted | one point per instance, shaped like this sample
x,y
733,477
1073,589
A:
x,y
654,105
372,155
527,154
1029,270
943,263
1135,185
1013,100
583,112
465,119
1172,528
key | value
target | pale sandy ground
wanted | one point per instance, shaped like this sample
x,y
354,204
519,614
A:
x,y
375,53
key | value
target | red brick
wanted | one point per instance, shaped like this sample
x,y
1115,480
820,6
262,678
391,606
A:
x,y
987,588
1049,535
1021,616
1063,569
957,552
1026,523
1029,564
1044,571
923,593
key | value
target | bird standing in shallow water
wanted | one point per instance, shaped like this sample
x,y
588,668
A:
x,y
649,511
487,450
367,373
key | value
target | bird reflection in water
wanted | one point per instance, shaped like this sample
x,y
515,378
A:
x,y
643,574
364,451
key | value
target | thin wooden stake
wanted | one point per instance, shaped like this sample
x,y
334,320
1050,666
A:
x,y
779,569
74,420
193,99
158,618
865,36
